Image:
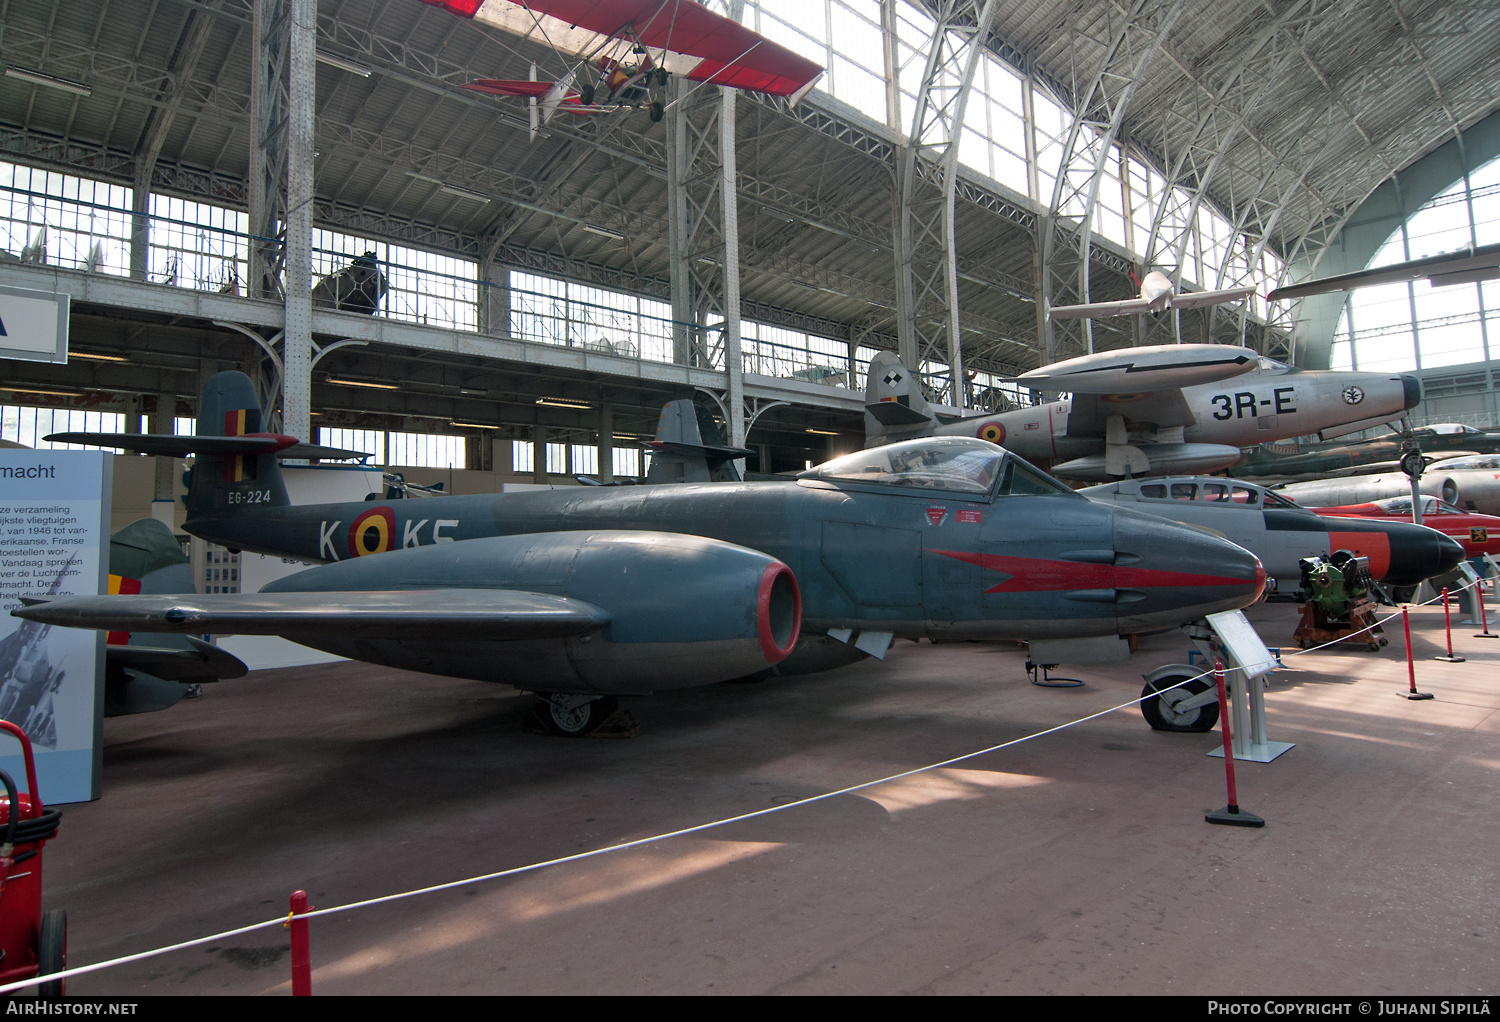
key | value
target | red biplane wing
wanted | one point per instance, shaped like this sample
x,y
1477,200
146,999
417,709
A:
x,y
685,37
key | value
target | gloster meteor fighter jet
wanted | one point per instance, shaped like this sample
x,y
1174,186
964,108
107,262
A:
x,y
585,593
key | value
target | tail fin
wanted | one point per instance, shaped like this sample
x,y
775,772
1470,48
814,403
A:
x,y
223,483
895,407
689,448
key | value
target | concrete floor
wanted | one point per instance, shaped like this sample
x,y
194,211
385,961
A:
x,y
1076,863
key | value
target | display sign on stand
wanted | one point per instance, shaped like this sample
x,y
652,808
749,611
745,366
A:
x,y
53,533
1247,661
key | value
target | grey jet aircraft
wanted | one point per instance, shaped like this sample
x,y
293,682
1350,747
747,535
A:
x,y
583,594
1150,410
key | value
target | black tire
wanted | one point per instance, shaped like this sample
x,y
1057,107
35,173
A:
x,y
586,95
52,952
658,111
661,77
1161,714
574,722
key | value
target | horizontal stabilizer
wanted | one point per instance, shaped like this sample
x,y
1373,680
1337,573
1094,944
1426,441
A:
x,y
709,451
416,614
186,446
198,661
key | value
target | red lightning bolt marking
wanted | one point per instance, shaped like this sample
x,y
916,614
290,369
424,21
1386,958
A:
x,y
1035,575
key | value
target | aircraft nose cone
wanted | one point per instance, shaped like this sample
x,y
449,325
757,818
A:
x,y
1411,389
1420,553
1168,574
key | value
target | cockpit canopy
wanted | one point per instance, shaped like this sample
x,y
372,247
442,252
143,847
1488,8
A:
x,y
954,464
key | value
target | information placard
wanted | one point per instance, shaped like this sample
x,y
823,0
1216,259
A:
x,y
33,324
53,535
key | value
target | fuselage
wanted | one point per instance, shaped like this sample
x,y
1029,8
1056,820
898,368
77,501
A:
x,y
1254,408
1037,562
1280,533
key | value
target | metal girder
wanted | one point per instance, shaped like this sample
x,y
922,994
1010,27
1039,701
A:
x,y
1191,174
1134,41
926,253
269,113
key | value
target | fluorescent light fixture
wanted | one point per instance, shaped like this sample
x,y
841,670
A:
x,y
464,193
361,383
50,81
98,358
823,432
52,393
425,177
471,392
475,425
604,232
343,62
557,402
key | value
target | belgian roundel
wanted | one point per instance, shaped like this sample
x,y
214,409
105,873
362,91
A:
x,y
371,532
993,432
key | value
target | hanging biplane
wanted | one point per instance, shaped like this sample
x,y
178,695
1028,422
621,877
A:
x,y
623,52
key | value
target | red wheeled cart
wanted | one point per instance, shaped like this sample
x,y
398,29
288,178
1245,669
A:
x,y
31,944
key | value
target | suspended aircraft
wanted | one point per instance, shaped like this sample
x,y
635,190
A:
x,y
583,594
1466,266
621,53
1150,410
1158,294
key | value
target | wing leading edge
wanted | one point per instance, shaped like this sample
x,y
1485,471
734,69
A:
x,y
418,614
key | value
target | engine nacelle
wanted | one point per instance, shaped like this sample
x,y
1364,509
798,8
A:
x,y
683,610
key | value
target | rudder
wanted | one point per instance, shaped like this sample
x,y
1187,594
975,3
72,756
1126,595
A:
x,y
228,482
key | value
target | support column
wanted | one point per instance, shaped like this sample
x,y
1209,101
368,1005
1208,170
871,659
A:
x,y
494,299
539,455
297,342
734,364
606,473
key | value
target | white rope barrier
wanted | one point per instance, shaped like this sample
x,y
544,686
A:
x,y
640,842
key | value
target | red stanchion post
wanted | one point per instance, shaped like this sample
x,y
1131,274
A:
x,y
1411,667
1448,633
1231,815
301,951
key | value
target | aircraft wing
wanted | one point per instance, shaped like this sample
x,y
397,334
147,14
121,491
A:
x,y
1199,299
1464,267
689,40
1089,414
1100,310
416,614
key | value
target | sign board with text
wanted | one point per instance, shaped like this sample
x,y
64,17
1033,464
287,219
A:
x,y
33,324
54,541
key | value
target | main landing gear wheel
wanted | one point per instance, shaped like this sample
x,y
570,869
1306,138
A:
x,y
52,951
661,77
570,716
586,95
658,111
1161,711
